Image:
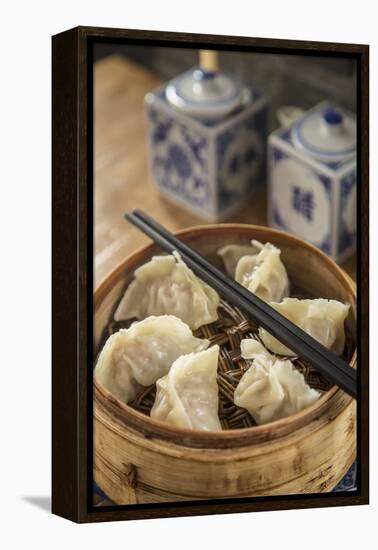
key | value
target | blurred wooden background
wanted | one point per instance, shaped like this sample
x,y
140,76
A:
x,y
287,79
121,172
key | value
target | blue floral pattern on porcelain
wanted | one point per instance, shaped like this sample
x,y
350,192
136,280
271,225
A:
x,y
209,168
179,159
349,481
241,157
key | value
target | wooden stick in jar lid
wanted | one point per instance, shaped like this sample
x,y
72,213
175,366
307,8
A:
x,y
208,60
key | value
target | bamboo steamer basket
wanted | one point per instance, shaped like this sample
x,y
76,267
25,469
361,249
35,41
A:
x,y
141,460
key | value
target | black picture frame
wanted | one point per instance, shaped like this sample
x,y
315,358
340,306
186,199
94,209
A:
x,y
72,249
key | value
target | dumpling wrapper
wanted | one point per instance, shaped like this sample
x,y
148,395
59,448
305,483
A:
x,y
261,270
231,254
187,396
138,356
320,318
271,388
165,285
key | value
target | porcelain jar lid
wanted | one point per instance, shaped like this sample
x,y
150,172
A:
x,y
329,134
206,95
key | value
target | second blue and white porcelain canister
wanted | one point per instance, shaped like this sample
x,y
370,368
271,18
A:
x,y
312,179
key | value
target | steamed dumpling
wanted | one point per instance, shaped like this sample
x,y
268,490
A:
x,y
271,388
261,271
140,355
231,254
166,285
322,319
187,396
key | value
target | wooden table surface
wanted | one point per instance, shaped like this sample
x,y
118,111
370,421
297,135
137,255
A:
x,y
122,178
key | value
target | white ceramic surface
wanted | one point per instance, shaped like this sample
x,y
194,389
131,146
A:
x,y
206,95
327,134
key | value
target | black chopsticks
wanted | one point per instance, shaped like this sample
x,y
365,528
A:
x,y
325,361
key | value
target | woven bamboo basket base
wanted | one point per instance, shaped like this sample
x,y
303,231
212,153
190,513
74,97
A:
x,y
231,327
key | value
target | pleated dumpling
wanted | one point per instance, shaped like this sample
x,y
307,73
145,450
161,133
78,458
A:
x,y
231,254
322,319
187,396
261,271
271,388
140,355
165,285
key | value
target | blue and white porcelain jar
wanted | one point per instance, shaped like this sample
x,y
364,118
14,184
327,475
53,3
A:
x,y
207,142
312,179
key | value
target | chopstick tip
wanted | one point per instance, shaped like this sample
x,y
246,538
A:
x,y
130,214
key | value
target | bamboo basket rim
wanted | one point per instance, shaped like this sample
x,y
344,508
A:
x,y
156,428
